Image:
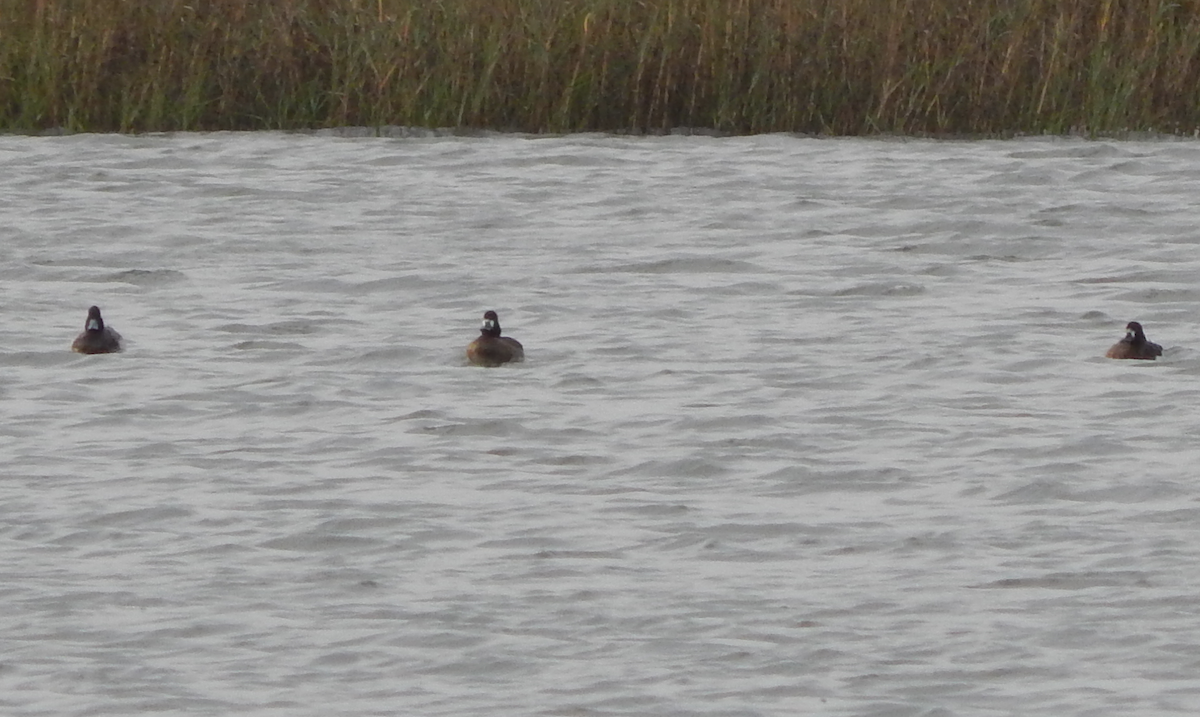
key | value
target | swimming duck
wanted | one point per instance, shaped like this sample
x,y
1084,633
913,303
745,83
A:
x,y
1134,345
492,349
96,337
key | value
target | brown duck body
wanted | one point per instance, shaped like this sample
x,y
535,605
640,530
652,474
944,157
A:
x,y
492,349
96,337
1135,345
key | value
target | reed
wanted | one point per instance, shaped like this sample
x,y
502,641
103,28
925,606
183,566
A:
x,y
936,67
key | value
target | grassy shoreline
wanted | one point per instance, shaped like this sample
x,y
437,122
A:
x,y
840,67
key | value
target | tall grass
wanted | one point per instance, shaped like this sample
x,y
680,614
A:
x,y
743,66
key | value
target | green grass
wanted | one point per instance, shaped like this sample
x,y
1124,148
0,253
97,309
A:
x,y
931,67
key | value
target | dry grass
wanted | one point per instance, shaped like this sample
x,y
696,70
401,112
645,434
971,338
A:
x,y
742,66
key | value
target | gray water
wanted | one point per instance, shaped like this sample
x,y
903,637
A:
x,y
806,427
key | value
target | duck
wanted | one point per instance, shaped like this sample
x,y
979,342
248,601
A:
x,y
1135,345
492,349
96,337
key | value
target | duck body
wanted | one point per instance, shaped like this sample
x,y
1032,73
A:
x,y
96,337
1135,345
491,349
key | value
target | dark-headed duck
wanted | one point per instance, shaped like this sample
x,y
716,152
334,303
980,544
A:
x,y
96,337
492,349
1134,345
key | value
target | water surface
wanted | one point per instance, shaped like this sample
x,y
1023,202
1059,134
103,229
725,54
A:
x,y
806,426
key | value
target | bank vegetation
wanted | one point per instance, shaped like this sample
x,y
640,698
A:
x,y
844,67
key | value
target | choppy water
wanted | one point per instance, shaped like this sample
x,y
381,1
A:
x,y
806,427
